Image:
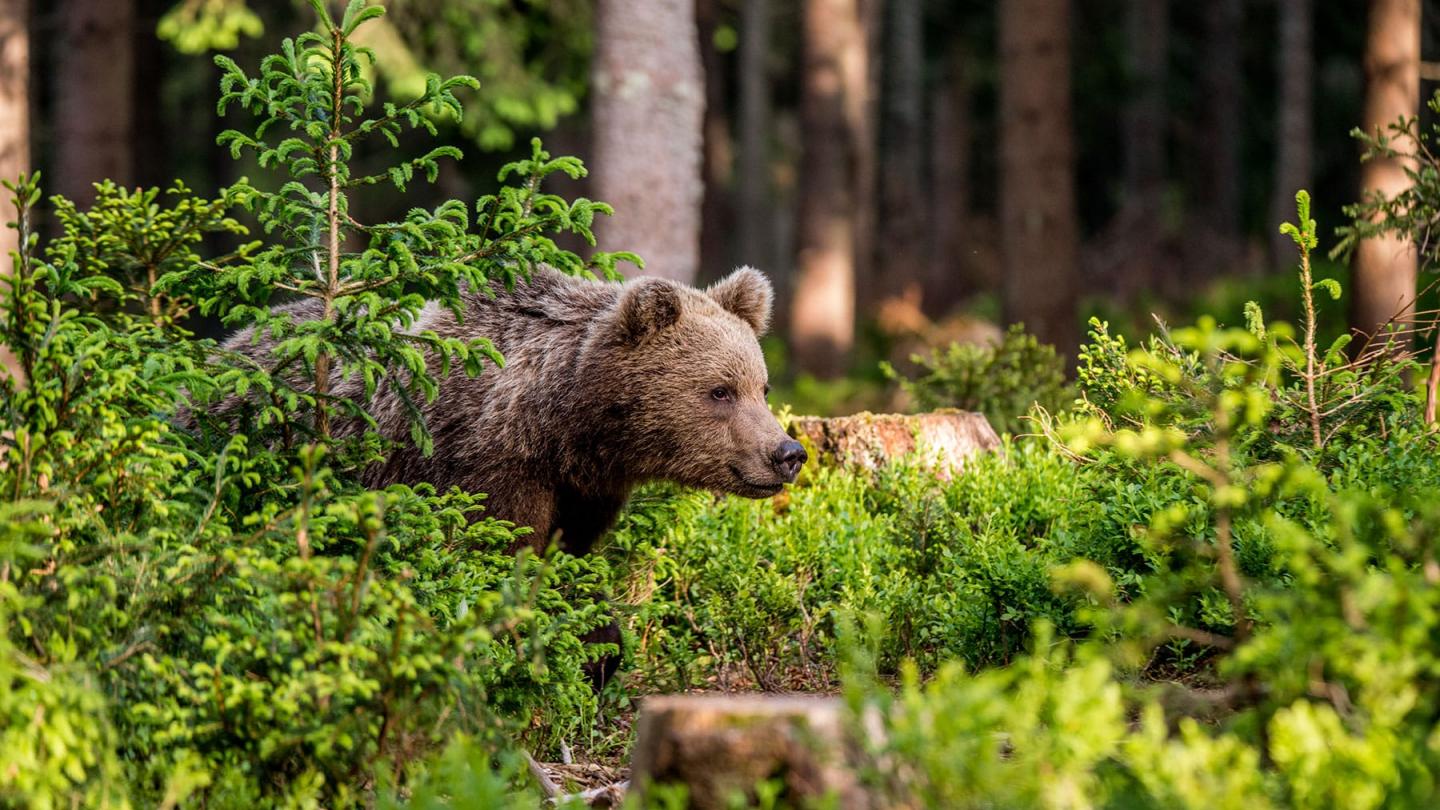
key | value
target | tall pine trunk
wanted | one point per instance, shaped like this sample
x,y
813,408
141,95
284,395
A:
x,y
1222,93
1147,27
951,274
756,207
903,222
94,86
14,127
1296,130
833,109
151,137
1383,287
717,206
648,109
1039,229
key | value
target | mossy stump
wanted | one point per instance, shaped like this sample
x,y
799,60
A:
x,y
721,746
945,437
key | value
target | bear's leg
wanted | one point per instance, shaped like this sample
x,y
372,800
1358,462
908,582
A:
x,y
602,669
581,521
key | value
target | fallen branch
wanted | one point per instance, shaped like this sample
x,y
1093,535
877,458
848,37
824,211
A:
x,y
606,796
547,785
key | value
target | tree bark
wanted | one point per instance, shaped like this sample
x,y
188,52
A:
x,y
903,213
721,746
1039,228
1385,267
947,438
756,208
832,114
951,274
14,128
1147,28
1296,131
864,114
150,136
94,88
648,109
717,210
1222,91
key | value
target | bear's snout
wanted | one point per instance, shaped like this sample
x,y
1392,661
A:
x,y
788,458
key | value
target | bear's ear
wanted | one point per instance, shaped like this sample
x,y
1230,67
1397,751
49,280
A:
x,y
648,306
746,293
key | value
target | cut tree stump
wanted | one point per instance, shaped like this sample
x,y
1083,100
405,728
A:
x,y
869,440
721,746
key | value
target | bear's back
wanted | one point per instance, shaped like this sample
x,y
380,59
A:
x,y
508,417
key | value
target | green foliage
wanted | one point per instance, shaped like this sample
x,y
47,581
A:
x,y
1004,382
1412,213
206,616
532,59
751,592
310,103
1298,574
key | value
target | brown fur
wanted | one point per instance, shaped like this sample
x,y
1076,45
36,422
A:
x,y
605,386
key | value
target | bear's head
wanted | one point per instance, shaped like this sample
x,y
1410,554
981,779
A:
x,y
689,383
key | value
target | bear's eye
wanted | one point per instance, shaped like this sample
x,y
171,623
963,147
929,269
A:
x,y
720,393
767,389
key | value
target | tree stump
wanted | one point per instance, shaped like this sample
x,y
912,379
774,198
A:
x,y
721,746
868,440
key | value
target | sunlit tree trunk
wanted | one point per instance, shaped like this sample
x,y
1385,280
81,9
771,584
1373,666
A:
x,y
14,126
648,109
755,206
1296,132
1039,229
1383,288
14,107
832,111
94,85
903,222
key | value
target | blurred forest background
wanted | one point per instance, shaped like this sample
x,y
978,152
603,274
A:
x,y
910,172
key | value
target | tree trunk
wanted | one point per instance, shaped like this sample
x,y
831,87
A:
x,y
720,747
1385,267
1296,132
756,209
946,439
1219,167
1039,229
1127,257
903,214
951,275
151,136
832,114
1147,28
14,128
93,107
717,213
864,114
648,111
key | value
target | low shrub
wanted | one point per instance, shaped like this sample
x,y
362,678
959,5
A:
x,y
194,614
1003,381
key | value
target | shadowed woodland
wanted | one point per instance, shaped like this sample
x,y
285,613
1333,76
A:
x,y
1144,289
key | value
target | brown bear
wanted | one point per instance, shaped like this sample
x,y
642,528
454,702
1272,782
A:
x,y
605,386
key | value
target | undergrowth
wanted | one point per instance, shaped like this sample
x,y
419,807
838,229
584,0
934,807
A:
x,y
1211,581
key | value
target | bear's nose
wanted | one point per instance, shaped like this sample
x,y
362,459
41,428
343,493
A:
x,y
788,458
